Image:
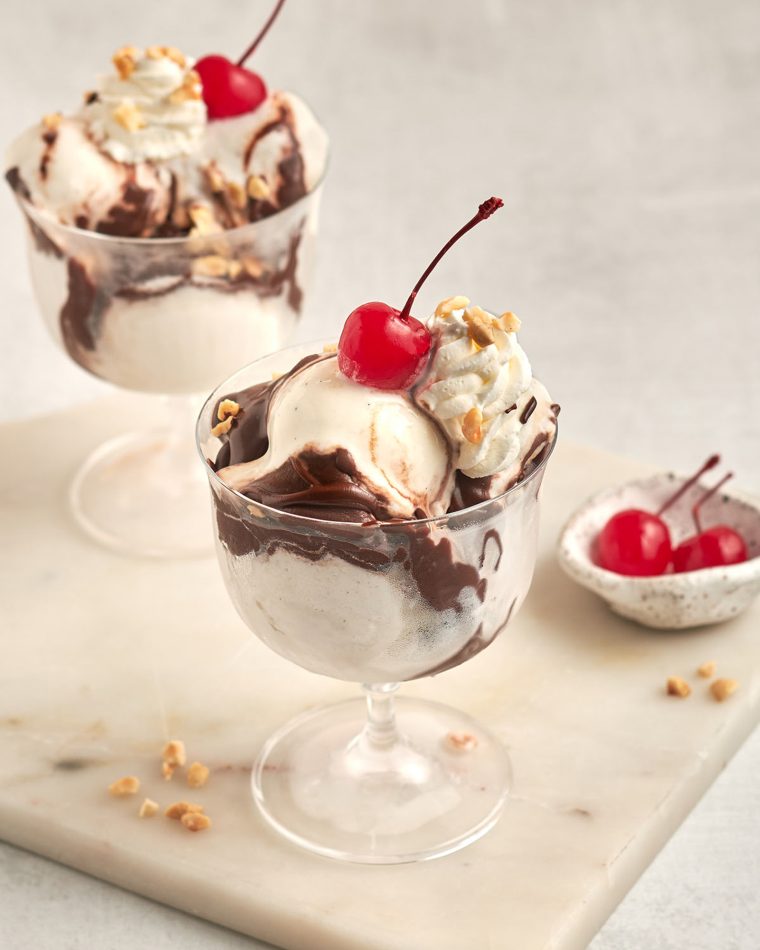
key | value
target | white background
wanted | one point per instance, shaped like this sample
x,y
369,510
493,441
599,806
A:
x,y
625,139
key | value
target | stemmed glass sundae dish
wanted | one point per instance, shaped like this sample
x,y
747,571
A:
x,y
377,517
171,229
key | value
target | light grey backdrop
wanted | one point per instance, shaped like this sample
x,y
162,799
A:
x,y
625,139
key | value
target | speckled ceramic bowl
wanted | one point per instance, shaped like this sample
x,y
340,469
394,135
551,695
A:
x,y
670,601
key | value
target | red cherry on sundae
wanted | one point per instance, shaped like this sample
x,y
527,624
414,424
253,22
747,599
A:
x,y
636,542
228,88
387,348
713,547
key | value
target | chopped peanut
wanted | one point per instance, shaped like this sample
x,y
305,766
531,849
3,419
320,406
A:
x,y
253,267
124,60
237,194
510,322
148,808
174,752
472,425
194,821
446,307
330,348
723,688
51,121
257,188
461,741
197,775
678,687
203,220
479,326
706,670
170,52
213,265
129,785
227,407
222,428
129,116
178,809
214,178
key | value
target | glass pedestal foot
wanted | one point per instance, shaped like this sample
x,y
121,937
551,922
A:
x,y
418,785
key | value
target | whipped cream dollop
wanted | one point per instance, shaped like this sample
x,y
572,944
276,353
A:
x,y
152,108
476,378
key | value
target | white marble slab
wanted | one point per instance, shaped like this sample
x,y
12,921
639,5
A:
x,y
106,657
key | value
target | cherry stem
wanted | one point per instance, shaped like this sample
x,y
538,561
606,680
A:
x,y
710,463
264,30
484,211
703,499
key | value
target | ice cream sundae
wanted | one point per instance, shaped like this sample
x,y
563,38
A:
x,y
377,504
171,217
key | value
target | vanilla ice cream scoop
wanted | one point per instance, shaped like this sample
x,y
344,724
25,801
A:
x,y
368,454
478,386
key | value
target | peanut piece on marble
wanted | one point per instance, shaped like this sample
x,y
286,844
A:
x,y
128,785
148,808
723,688
195,821
178,809
197,775
676,686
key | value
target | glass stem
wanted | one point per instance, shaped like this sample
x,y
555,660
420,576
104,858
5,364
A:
x,y
380,729
179,415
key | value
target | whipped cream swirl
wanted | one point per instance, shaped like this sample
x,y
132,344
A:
x,y
477,375
151,110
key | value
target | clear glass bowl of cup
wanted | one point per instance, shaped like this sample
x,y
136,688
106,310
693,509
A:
x,y
170,316
379,779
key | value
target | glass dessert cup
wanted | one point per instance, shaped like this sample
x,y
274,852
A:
x,y
402,780
170,316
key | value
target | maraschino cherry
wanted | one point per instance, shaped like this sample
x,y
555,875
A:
x,y
228,88
636,542
714,547
387,348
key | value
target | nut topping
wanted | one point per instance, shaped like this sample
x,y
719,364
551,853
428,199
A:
x,y
227,407
128,116
197,775
195,821
124,60
446,307
178,809
168,52
706,670
210,266
472,426
203,220
510,322
676,686
222,428
129,785
479,326
148,808
257,188
723,688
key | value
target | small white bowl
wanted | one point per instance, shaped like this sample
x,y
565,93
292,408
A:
x,y
669,601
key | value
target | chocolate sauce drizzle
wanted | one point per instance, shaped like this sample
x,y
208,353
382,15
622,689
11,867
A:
x,y
528,410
